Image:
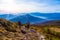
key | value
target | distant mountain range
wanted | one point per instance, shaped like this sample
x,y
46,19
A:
x,y
31,17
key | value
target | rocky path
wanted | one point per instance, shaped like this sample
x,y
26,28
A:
x,y
31,34
23,34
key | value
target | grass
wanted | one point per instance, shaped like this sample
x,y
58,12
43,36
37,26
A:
x,y
50,32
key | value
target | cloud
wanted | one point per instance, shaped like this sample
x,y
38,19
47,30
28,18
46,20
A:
x,y
21,6
41,17
11,6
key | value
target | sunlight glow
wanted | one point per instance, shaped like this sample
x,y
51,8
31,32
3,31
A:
x,y
12,6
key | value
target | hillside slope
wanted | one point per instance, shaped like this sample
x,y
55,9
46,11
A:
x,y
11,31
51,29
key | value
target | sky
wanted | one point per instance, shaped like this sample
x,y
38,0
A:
x,y
24,6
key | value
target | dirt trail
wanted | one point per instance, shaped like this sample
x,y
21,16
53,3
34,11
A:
x,y
31,34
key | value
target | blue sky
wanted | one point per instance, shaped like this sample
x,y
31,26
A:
x,y
21,6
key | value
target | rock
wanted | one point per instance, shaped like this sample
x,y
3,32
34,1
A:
x,y
10,35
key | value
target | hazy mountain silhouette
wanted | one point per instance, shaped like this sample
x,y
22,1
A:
x,y
33,18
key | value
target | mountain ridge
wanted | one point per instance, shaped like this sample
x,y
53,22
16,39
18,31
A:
x,y
34,17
